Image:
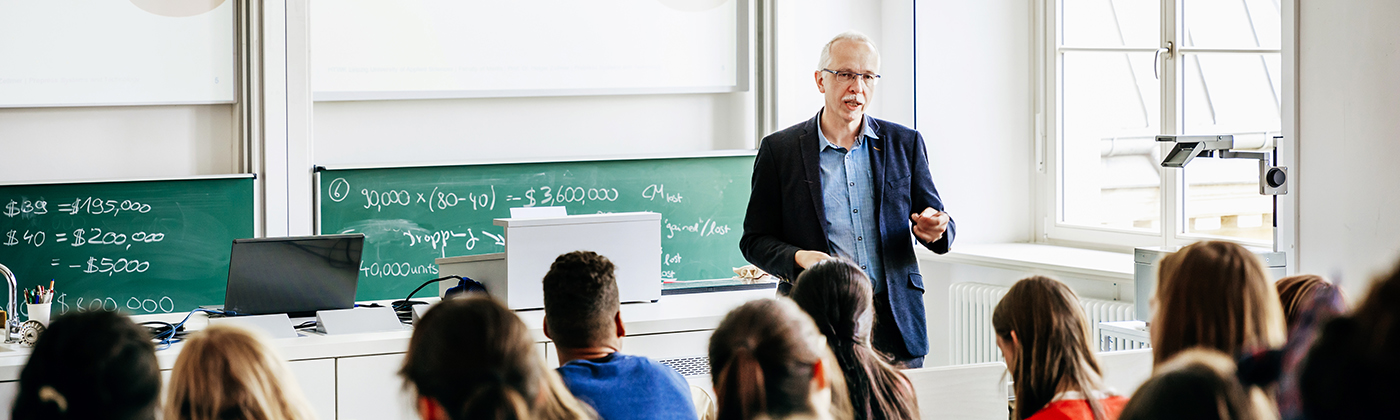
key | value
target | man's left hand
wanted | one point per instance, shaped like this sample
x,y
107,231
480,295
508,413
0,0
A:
x,y
930,224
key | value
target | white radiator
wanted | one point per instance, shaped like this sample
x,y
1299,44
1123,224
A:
x,y
973,339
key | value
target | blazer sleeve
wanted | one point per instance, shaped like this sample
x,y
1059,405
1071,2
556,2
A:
x,y
762,243
924,195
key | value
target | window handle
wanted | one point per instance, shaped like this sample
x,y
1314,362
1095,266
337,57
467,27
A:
x,y
1167,49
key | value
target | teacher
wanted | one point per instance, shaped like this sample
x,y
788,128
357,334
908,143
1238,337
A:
x,y
848,185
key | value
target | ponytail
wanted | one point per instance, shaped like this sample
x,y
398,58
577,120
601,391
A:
x,y
739,389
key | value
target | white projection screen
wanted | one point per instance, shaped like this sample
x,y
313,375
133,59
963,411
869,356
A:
x,y
420,49
116,52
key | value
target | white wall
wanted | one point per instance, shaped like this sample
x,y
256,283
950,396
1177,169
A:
x,y
803,27
1348,96
86,143
974,110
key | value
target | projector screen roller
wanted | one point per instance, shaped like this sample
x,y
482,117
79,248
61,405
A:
x,y
408,49
116,52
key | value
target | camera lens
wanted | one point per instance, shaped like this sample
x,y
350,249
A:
x,y
1276,177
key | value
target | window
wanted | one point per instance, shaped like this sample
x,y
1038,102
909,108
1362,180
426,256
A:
x,y
1117,73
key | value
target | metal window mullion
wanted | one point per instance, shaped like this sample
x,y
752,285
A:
x,y
1171,178
1065,48
1199,50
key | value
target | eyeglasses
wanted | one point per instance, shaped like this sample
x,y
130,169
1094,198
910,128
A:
x,y
848,77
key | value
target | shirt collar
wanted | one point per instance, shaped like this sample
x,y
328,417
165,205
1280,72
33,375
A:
x,y
865,131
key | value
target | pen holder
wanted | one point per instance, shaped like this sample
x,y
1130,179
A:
x,y
40,312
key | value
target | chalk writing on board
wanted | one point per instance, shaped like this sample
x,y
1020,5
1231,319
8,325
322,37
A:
x,y
438,200
658,192
703,227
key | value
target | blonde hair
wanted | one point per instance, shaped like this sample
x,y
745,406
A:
x,y
1053,337
230,372
1215,294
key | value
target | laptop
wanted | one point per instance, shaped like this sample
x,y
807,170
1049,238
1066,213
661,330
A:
x,y
296,275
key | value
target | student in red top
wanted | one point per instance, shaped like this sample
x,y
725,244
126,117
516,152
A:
x,y
1043,335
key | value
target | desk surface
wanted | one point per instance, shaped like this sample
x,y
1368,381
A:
x,y
676,313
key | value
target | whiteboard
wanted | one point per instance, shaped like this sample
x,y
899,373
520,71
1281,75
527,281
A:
x,y
116,52
413,49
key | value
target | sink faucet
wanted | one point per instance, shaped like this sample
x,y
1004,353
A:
x,y
11,317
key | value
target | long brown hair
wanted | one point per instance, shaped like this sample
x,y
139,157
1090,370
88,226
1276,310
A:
x,y
1054,345
227,372
1214,294
476,358
1297,293
836,293
763,357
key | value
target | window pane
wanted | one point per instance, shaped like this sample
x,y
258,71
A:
x,y
1109,112
1110,23
1232,23
1230,94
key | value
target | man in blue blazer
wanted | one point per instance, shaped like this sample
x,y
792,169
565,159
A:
x,y
847,185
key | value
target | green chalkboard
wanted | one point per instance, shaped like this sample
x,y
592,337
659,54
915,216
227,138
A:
x,y
139,246
412,216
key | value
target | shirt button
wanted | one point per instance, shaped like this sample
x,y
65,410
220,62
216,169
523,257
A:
x,y
855,210
862,267
853,184
860,238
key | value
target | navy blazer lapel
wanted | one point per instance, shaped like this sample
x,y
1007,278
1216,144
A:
x,y
810,147
878,153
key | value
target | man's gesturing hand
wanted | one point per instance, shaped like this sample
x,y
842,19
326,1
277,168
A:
x,y
930,224
808,258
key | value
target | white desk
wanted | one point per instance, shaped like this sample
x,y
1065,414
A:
x,y
355,376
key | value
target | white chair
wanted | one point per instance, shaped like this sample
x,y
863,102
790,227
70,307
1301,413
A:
x,y
975,391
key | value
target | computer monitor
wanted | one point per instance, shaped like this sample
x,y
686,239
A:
x,y
295,275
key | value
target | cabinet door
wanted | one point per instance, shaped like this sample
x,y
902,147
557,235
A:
x,y
8,390
369,387
669,345
316,378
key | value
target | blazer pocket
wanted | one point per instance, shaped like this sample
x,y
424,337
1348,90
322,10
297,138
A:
x,y
901,183
916,281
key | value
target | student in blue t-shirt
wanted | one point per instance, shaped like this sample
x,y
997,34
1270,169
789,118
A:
x,y
582,315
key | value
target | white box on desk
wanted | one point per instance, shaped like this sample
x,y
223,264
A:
x,y
632,241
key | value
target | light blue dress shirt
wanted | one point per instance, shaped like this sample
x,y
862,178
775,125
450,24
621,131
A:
x,y
848,195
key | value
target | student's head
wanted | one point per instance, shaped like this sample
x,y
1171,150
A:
x,y
90,365
1214,294
580,301
1353,370
836,294
226,372
1044,337
847,98
471,358
1194,384
766,360
1298,293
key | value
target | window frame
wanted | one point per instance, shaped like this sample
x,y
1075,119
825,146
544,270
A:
x,y
1048,56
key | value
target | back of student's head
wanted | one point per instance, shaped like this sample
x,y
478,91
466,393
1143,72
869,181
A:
x,y
475,358
763,358
227,372
580,299
837,295
1296,294
91,365
1353,370
1215,294
1195,384
1051,344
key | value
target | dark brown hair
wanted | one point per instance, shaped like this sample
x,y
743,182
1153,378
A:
x,y
1215,294
762,359
1352,371
475,358
1296,293
580,299
1053,337
1196,383
836,294
90,365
